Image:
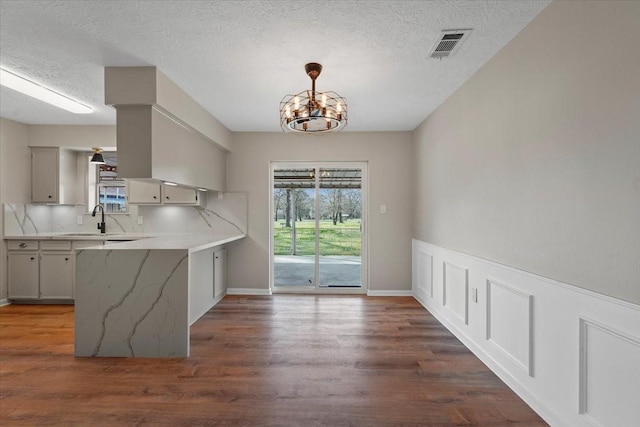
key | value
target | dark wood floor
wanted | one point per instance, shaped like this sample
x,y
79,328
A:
x,y
284,360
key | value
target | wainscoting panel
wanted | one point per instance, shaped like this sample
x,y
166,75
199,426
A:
x,y
573,355
609,390
509,314
455,290
425,273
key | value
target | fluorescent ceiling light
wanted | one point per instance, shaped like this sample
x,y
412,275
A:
x,y
27,87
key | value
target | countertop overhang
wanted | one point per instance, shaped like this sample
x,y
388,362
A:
x,y
187,241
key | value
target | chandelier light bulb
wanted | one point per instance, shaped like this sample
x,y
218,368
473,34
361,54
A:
x,y
338,107
324,100
288,112
296,101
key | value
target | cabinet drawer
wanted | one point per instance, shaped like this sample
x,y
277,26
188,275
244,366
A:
x,y
55,245
22,245
81,244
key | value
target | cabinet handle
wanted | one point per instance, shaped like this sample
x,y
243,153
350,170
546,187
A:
x,y
167,197
23,245
32,258
66,259
155,197
49,196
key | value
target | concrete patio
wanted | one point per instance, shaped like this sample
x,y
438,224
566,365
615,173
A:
x,y
335,271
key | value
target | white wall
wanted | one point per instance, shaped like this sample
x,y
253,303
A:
x,y
389,158
535,161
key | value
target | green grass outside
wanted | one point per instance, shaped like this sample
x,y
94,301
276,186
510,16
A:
x,y
340,239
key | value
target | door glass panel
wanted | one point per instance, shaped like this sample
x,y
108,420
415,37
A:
x,y
340,228
294,234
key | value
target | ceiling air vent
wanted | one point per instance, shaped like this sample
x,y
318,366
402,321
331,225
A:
x,y
448,43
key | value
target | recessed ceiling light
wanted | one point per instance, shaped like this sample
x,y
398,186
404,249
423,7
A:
x,y
27,87
202,189
173,184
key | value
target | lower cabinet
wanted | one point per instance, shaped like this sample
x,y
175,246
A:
x,y
219,272
42,270
56,275
23,268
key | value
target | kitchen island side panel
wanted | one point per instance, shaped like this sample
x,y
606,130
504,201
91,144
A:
x,y
132,303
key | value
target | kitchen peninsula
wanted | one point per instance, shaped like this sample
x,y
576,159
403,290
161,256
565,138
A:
x,y
139,298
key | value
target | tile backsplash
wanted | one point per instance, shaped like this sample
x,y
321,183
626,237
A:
x,y
224,214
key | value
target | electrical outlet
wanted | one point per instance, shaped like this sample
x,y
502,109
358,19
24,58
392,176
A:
x,y
140,220
79,219
474,294
383,209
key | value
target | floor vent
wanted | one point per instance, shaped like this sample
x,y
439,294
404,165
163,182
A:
x,y
448,43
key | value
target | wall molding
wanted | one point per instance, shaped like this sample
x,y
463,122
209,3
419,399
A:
x,y
389,293
425,262
585,382
248,291
526,366
448,296
540,348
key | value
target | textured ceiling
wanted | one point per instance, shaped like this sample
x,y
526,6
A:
x,y
239,58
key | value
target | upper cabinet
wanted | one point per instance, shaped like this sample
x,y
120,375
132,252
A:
x,y
53,175
143,193
180,195
149,193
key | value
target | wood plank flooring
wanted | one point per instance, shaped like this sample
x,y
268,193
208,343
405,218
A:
x,y
283,360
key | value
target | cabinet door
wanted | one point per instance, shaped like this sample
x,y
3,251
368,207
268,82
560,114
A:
x,y
44,175
56,275
179,195
219,272
23,275
143,193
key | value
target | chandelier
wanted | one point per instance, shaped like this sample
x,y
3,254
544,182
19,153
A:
x,y
313,112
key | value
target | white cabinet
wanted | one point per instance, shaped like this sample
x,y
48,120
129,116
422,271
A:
x,y
179,195
23,270
143,193
56,275
148,193
43,270
219,272
53,175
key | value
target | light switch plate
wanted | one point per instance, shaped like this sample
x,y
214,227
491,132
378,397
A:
x,y
383,209
140,220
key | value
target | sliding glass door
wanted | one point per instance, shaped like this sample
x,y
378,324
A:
x,y
318,218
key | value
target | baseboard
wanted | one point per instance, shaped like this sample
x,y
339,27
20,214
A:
x,y
4,302
248,291
389,293
543,338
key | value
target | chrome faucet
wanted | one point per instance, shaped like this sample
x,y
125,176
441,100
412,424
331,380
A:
x,y
102,226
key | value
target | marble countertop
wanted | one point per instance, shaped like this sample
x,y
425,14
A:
x,y
192,242
70,235
189,241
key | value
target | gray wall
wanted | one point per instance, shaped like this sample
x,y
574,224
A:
x,y
389,159
15,178
535,161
